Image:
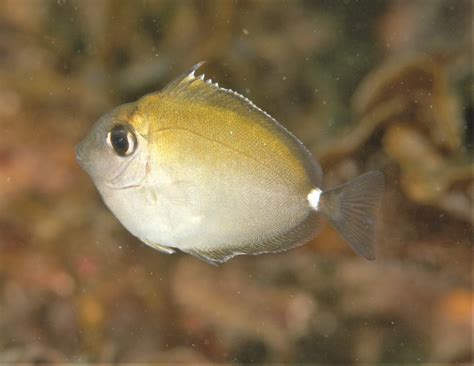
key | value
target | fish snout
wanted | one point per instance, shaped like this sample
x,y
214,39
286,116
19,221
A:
x,y
79,153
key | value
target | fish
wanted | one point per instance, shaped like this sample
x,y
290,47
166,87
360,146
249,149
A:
x,y
200,169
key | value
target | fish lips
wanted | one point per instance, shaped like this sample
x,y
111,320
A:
x,y
79,154
83,156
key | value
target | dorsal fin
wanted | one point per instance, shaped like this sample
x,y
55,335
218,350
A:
x,y
176,86
197,89
194,89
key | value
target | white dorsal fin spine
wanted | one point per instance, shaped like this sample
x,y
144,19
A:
x,y
194,68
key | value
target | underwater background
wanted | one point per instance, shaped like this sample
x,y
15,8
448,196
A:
x,y
365,85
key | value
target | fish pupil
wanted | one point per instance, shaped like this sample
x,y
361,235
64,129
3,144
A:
x,y
122,140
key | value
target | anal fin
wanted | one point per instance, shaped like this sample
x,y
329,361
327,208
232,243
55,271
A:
x,y
205,256
298,235
161,248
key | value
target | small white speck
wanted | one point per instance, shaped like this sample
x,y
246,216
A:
x,y
245,31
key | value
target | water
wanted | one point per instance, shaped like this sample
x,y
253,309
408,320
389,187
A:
x,y
366,85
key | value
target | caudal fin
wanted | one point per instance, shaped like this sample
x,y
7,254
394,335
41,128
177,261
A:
x,y
351,210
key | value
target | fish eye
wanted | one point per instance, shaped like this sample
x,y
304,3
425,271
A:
x,y
122,140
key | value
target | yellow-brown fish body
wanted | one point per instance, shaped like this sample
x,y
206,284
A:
x,y
211,174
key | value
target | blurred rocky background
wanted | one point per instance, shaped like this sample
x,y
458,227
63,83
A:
x,y
365,84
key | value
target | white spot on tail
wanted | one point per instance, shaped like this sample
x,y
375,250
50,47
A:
x,y
313,198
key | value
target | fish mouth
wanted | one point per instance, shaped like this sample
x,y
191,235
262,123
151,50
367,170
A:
x,y
78,150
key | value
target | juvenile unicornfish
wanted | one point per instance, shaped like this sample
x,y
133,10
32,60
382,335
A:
x,y
201,169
